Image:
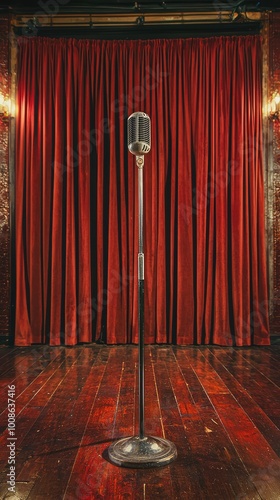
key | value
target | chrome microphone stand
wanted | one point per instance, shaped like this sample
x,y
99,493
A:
x,y
141,451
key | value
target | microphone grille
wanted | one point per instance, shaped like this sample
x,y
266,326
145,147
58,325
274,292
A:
x,y
139,133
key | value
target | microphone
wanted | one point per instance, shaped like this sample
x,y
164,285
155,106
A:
x,y
139,133
141,451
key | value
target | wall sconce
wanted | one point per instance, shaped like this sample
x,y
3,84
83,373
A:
x,y
5,109
275,107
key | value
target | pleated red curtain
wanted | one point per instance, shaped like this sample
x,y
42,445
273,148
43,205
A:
x,y
76,192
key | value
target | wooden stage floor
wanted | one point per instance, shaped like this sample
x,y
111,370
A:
x,y
220,406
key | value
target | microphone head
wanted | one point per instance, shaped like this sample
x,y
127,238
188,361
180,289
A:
x,y
139,133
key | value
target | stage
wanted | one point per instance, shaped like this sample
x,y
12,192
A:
x,y
220,406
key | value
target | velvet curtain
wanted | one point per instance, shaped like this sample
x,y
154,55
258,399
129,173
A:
x,y
76,192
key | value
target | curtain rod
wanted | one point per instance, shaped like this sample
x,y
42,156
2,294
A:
x,y
147,19
145,32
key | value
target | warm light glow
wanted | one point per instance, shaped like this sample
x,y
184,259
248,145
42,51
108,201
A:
x,y
7,108
274,107
12,107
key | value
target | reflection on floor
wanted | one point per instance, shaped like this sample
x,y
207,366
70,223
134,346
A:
x,y
220,406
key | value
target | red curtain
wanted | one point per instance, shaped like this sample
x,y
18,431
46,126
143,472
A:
x,y
76,192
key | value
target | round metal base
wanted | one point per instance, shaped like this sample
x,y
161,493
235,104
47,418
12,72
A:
x,y
147,452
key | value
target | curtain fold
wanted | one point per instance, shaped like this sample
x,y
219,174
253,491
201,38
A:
x,y
76,192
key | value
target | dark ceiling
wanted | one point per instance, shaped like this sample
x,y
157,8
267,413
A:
x,y
241,24
68,6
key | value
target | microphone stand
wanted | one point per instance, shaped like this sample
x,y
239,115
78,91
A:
x,y
141,451
141,343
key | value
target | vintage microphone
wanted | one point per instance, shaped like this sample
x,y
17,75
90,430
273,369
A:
x,y
141,450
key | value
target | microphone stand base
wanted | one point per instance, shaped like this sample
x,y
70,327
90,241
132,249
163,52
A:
x,y
136,452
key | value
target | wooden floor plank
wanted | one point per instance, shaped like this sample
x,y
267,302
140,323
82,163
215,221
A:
x,y
274,351
29,375
10,364
31,401
84,379
6,351
263,362
264,392
185,477
220,406
251,446
91,469
210,443
124,424
268,428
